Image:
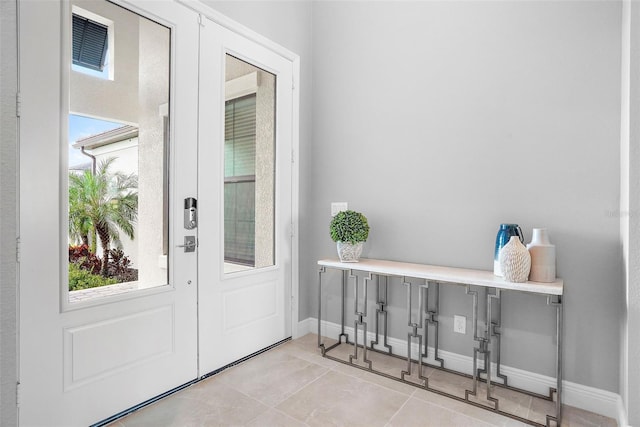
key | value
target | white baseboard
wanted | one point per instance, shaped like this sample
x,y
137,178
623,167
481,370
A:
x,y
622,414
308,325
580,396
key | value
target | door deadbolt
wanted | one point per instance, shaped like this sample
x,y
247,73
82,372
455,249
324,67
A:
x,y
190,213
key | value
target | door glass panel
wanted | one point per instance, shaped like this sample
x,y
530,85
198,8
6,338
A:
x,y
249,167
118,151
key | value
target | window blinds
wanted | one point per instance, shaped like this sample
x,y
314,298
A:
x,y
240,137
239,174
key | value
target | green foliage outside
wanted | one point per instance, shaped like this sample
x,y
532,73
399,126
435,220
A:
x,y
103,204
82,279
349,226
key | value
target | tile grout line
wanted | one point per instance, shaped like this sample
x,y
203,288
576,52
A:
x,y
232,386
348,374
275,408
299,389
288,416
399,409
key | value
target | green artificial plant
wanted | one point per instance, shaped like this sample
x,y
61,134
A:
x,y
349,226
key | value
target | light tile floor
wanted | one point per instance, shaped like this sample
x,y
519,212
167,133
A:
x,y
292,385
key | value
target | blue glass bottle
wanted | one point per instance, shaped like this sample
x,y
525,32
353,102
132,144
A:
x,y
504,234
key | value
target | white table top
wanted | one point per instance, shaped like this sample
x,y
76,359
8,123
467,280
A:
x,y
443,275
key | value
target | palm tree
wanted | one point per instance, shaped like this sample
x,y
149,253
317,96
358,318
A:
x,y
79,223
105,203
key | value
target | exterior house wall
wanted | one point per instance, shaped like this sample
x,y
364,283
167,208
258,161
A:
x,y
114,100
153,94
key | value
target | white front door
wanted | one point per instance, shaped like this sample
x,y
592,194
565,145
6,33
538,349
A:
x,y
245,197
83,357
179,93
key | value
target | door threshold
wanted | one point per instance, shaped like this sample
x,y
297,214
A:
x,y
183,386
244,359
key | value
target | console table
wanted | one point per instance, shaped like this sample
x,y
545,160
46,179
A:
x,y
477,284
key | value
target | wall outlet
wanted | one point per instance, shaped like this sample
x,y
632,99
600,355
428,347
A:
x,y
460,324
337,207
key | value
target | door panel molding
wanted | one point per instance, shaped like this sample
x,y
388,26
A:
x,y
234,319
131,340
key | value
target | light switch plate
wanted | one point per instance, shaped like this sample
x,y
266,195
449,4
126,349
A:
x,y
337,207
459,324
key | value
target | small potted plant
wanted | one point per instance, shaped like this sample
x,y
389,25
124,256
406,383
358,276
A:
x,y
350,230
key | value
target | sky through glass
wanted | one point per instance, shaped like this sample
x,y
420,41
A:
x,y
82,127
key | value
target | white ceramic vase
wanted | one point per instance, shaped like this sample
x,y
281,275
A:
x,y
543,257
349,252
515,261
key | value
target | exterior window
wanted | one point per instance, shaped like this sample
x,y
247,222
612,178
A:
x,y
90,43
240,180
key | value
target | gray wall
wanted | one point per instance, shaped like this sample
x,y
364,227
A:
x,y
441,120
8,214
505,111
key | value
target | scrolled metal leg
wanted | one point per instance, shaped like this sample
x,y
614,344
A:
x,y
473,392
432,319
493,326
381,301
320,343
488,330
485,346
359,320
414,332
428,316
559,325
343,309
482,348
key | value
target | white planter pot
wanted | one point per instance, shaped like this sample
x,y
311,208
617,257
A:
x,y
349,252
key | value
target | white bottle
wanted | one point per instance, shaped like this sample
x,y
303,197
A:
x,y
543,257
